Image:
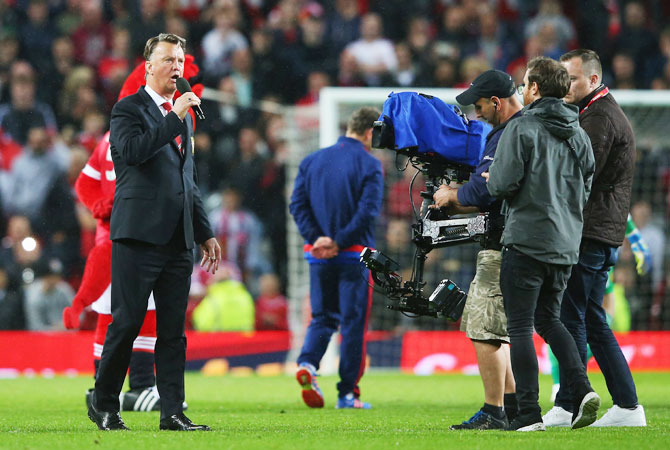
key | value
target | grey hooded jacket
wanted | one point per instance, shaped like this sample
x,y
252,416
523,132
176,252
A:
x,y
544,182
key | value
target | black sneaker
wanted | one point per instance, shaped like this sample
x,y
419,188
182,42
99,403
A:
x,y
482,421
527,423
586,411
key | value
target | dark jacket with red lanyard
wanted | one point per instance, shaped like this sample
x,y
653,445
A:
x,y
338,193
613,142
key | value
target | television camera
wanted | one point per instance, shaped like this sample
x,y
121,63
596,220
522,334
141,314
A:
x,y
443,145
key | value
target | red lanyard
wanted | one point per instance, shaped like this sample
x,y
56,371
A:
x,y
598,96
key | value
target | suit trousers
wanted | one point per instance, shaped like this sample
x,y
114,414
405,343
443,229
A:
x,y
532,292
138,268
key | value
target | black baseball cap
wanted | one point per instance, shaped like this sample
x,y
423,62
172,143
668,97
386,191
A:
x,y
488,84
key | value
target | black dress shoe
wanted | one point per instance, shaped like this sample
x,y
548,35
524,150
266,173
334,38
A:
x,y
179,422
106,420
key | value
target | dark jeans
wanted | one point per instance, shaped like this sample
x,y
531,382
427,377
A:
x,y
532,292
583,315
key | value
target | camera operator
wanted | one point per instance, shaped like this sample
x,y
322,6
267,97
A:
x,y
543,171
494,97
605,218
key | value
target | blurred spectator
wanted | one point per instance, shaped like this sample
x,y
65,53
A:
x,y
69,19
374,54
271,191
471,68
220,43
445,73
46,297
94,127
9,150
660,66
271,305
223,124
596,21
34,174
239,233
653,236
20,250
227,306
61,64
247,170
242,74
454,34
176,25
395,13
407,73
188,9
623,71
272,71
348,71
283,19
9,52
78,97
146,21
638,41
517,67
419,40
115,66
554,26
316,52
316,81
24,111
492,45
9,18
93,38
37,34
11,302
37,188
343,24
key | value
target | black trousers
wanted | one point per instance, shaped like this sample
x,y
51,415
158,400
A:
x,y
532,292
137,269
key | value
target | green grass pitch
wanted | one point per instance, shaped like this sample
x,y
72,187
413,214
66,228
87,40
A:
x,y
267,413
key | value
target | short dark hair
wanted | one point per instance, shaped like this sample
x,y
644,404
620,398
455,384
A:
x,y
551,77
362,119
163,37
590,60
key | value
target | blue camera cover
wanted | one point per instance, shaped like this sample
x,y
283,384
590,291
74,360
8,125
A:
x,y
428,125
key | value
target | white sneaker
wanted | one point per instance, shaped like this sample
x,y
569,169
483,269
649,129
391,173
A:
x,y
539,426
622,417
557,417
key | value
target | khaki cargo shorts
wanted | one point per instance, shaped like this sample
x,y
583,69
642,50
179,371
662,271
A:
x,y
484,314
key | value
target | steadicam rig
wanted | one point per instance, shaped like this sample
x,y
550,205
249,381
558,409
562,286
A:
x,y
447,300
444,146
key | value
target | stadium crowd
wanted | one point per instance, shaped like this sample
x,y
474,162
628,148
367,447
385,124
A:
x,y
62,64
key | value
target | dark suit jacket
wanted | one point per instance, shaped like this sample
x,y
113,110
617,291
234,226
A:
x,y
155,184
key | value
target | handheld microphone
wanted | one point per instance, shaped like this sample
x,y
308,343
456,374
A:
x,y
184,87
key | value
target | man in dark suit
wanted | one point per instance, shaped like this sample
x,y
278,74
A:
x,y
157,216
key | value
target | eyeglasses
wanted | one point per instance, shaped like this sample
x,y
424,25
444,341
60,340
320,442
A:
x,y
520,88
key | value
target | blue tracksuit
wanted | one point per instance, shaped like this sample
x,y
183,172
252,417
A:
x,y
338,193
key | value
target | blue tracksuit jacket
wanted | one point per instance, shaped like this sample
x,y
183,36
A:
x,y
338,193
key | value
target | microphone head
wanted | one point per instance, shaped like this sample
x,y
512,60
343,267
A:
x,y
183,86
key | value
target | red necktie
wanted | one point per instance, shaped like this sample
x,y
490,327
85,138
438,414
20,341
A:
x,y
168,107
